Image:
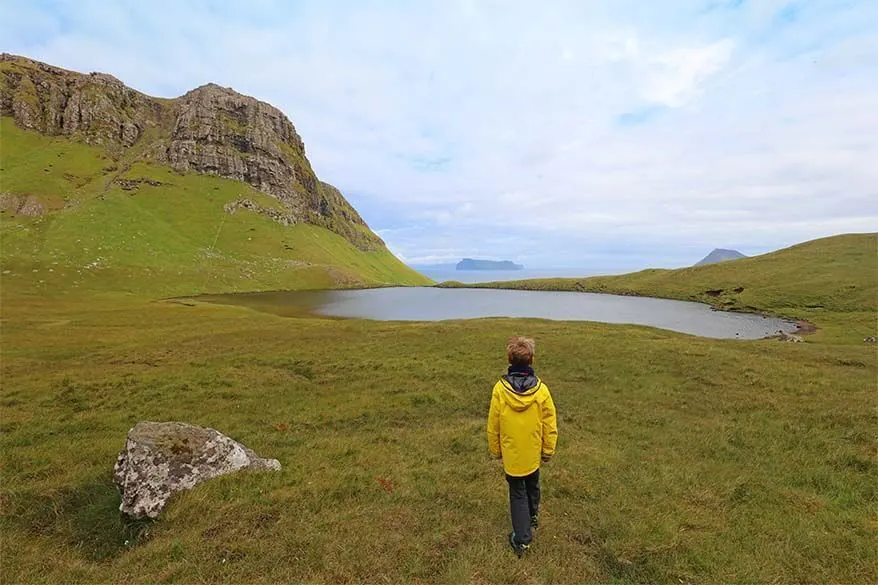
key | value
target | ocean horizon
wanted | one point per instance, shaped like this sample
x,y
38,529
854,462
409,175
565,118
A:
x,y
473,276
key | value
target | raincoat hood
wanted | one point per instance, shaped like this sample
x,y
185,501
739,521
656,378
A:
x,y
520,389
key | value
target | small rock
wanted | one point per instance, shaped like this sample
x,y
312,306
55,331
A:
x,y
164,458
789,337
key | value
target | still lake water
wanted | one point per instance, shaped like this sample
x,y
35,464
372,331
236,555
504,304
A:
x,y
437,304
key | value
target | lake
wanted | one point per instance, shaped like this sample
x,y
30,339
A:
x,y
437,304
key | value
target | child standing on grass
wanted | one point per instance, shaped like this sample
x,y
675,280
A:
x,y
522,431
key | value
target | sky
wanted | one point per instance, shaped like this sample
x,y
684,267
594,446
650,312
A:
x,y
611,135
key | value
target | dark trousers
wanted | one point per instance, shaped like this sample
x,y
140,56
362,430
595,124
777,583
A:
x,y
524,502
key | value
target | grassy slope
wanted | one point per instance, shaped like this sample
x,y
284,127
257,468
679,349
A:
x,y
158,240
832,282
680,459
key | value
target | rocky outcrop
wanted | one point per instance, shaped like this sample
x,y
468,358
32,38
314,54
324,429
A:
x,y
27,205
164,458
97,108
789,337
134,184
250,205
210,130
218,131
335,213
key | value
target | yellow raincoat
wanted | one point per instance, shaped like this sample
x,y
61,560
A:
x,y
522,426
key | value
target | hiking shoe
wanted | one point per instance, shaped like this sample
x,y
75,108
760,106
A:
x,y
518,548
534,521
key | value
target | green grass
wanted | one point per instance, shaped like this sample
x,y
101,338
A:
x,y
51,168
680,459
173,238
832,282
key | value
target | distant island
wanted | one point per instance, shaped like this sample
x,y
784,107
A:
x,y
720,255
470,264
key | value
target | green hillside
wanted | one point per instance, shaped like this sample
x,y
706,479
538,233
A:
x,y
75,219
828,281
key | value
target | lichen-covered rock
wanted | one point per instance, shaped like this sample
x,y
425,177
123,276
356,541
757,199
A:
x,y
278,216
788,337
163,458
26,205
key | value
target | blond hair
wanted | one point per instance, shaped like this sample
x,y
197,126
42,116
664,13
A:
x,y
520,351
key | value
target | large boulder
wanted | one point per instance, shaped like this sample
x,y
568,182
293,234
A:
x,y
163,458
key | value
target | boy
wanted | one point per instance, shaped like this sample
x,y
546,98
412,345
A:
x,y
522,431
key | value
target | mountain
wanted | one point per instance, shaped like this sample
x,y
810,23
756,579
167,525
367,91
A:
x,y
470,264
153,183
720,255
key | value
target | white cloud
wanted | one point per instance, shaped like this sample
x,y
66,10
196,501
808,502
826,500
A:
x,y
670,76
676,77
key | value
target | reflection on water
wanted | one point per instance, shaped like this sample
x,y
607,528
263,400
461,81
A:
x,y
436,304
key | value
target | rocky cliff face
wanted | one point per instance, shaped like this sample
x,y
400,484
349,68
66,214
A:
x,y
98,108
210,130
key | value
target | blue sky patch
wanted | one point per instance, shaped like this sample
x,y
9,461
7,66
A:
x,y
639,116
430,164
724,5
788,14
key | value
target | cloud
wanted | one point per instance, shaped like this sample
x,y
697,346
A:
x,y
667,76
567,132
677,77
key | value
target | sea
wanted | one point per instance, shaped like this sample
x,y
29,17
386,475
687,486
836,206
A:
x,y
471,276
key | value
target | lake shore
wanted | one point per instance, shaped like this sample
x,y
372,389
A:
x,y
439,304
